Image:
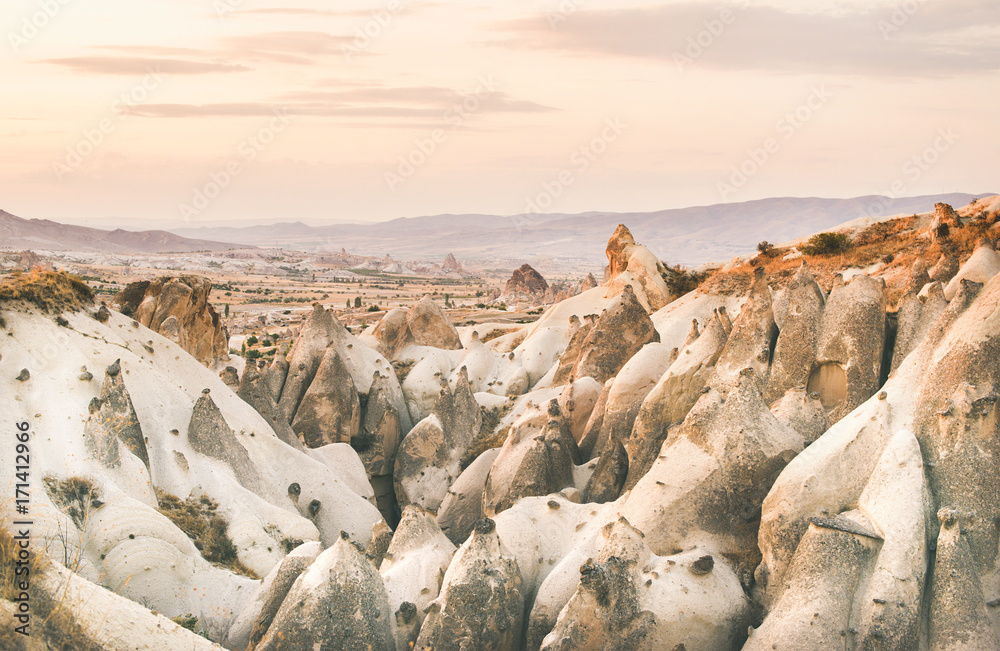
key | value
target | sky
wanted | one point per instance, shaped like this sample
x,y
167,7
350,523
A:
x,y
155,113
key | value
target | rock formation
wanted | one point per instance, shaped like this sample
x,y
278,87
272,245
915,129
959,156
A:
x,y
340,602
820,472
482,600
451,265
620,332
178,308
429,458
424,324
525,286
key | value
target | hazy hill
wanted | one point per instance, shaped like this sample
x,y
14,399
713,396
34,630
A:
x,y
17,233
687,235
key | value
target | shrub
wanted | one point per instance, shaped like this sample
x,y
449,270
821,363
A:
x,y
826,244
682,281
766,249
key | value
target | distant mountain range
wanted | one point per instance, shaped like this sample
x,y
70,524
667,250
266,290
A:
x,y
42,234
687,235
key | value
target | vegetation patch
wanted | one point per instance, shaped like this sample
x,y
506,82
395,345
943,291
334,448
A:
x,y
681,281
197,518
493,334
402,368
826,244
74,496
51,291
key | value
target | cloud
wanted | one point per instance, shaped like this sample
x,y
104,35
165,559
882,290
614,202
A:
x,y
938,39
127,65
286,47
230,55
377,105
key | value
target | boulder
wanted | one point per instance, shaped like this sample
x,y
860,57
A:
x,y
630,598
795,350
208,433
379,435
533,462
254,389
619,333
427,325
630,263
631,386
980,268
813,610
848,367
462,507
412,571
429,458
320,329
251,625
916,315
340,602
330,410
113,423
577,333
712,475
481,605
672,398
958,616
751,341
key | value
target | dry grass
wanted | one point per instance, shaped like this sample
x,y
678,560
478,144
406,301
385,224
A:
x,y
496,333
52,623
207,529
895,244
52,292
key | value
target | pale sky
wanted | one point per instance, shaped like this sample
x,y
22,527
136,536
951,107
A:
x,y
128,112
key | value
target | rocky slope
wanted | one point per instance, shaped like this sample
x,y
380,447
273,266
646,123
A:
x,y
801,454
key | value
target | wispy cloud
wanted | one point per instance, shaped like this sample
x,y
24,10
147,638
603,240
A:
x,y
129,65
423,105
936,40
